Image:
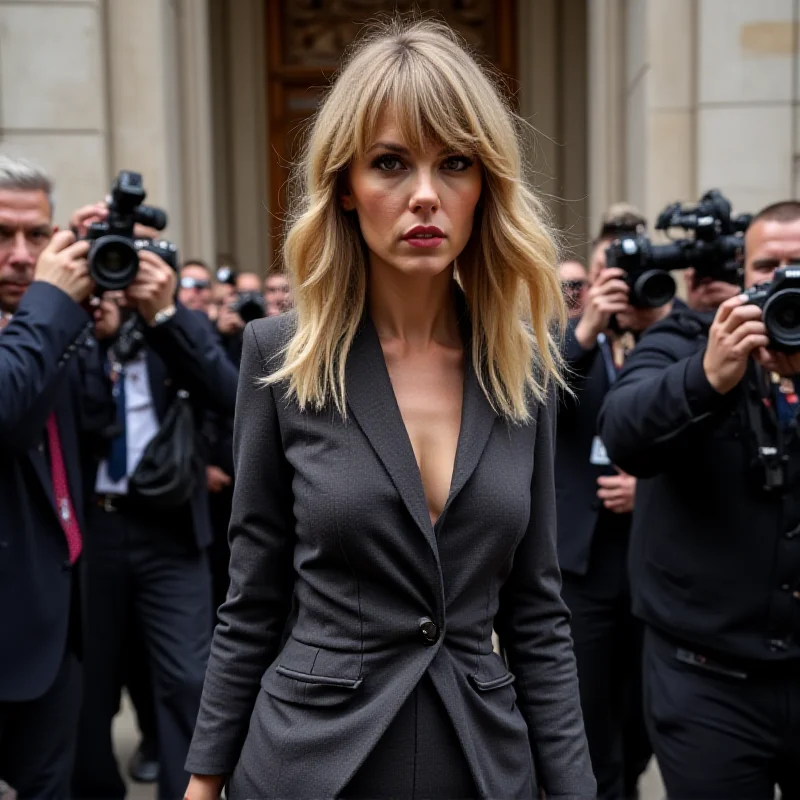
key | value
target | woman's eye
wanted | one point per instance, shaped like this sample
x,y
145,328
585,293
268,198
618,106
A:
x,y
457,163
388,163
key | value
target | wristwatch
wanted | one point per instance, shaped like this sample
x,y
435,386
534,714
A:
x,y
162,316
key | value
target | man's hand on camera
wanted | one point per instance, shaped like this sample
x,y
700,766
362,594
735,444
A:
x,y
153,290
63,264
787,365
617,491
85,216
229,322
608,295
736,333
107,315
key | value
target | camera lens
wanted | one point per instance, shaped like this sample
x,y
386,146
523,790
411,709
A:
x,y
250,306
113,263
782,318
652,289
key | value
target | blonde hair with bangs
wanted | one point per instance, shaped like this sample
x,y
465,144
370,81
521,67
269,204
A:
x,y
508,270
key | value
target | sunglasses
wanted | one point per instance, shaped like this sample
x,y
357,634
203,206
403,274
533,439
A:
x,y
573,286
195,283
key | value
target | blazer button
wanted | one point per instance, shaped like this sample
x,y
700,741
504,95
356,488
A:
x,y
428,630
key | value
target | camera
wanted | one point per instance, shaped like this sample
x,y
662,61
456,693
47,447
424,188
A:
x,y
114,253
715,250
249,306
779,301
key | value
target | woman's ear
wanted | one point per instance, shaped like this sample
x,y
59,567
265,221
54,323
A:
x,y
348,204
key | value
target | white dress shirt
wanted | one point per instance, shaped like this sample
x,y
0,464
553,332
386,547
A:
x,y
141,424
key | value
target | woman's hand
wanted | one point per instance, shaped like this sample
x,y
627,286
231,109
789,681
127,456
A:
x,y
204,787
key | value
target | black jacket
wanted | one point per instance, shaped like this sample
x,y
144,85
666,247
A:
x,y
715,560
45,354
184,353
580,512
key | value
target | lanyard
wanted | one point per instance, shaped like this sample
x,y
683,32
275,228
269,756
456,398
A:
x,y
608,357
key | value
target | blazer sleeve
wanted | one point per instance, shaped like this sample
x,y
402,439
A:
x,y
35,349
533,625
261,535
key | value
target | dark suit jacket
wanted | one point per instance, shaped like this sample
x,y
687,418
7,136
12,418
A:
x,y
335,566
184,353
40,355
579,508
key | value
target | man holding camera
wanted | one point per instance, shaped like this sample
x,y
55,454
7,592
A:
x,y
44,441
147,524
705,415
594,503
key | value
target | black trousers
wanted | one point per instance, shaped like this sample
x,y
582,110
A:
x,y
37,737
150,561
718,736
608,652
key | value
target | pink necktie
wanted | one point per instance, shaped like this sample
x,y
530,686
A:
x,y
58,472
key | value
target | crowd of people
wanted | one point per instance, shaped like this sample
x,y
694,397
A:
x,y
680,563
299,598
91,384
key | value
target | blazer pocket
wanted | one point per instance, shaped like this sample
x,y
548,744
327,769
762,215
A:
x,y
493,683
313,676
491,674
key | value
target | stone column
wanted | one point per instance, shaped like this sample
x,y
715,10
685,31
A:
x,y
660,99
53,95
607,106
199,229
144,99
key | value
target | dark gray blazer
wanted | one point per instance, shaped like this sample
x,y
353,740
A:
x,y
343,594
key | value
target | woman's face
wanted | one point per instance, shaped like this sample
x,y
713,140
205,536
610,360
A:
x,y
415,208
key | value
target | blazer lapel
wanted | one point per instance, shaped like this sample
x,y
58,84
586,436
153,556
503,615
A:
x,y
477,419
372,402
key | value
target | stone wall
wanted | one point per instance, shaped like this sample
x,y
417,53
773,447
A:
x,y
89,87
708,98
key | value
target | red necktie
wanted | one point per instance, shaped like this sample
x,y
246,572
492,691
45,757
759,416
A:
x,y
58,472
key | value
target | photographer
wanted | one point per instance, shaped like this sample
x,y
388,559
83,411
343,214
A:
x,y
705,414
46,440
594,503
148,524
195,291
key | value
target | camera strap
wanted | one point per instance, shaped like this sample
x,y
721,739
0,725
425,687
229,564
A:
x,y
770,447
608,358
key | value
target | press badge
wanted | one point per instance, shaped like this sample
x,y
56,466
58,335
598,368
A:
x,y
599,456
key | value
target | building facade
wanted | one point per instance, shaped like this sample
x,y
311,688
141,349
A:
x,y
648,101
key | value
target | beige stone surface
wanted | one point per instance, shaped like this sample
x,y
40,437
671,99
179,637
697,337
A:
x,y
671,53
671,159
743,55
637,142
637,56
61,86
745,154
77,162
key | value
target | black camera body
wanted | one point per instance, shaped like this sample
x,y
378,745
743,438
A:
x,y
715,250
779,301
250,306
114,253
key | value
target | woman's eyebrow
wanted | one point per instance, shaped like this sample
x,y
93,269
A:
x,y
394,148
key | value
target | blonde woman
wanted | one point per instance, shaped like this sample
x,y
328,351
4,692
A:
x,y
394,467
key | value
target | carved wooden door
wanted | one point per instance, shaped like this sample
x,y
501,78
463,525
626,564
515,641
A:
x,y
306,39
